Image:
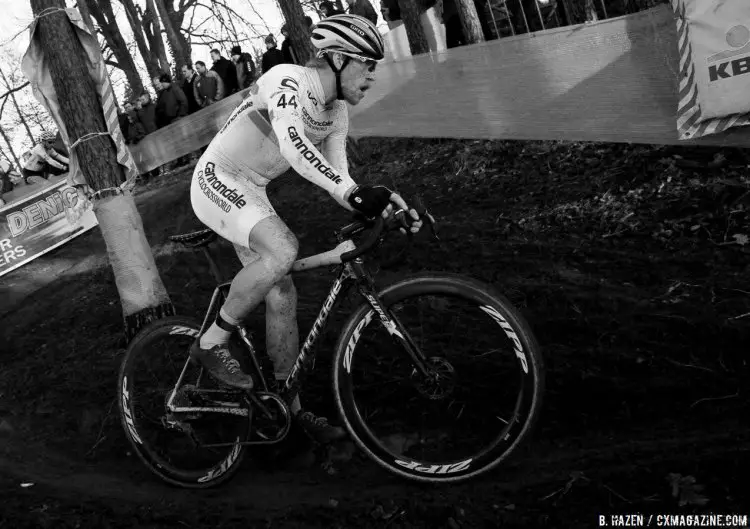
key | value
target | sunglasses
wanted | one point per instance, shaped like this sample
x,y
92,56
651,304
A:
x,y
370,63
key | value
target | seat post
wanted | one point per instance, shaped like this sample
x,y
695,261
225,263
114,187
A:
x,y
212,265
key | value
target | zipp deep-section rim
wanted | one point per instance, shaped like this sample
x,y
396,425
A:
x,y
499,309
171,326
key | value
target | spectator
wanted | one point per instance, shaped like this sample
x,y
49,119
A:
x,y
245,67
146,111
60,146
171,103
226,71
136,131
390,10
290,57
328,9
454,31
273,55
287,48
6,184
122,118
44,160
209,88
363,8
189,79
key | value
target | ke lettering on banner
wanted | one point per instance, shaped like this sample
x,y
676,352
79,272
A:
x,y
41,222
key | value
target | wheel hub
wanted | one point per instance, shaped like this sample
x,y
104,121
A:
x,y
440,380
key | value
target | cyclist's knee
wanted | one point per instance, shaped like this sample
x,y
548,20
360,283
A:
x,y
283,257
279,261
276,245
283,294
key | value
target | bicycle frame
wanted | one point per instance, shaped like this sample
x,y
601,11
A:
x,y
349,273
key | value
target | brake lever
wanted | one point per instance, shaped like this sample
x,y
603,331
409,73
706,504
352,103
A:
x,y
421,210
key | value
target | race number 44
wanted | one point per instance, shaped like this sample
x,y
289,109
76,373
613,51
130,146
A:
x,y
283,101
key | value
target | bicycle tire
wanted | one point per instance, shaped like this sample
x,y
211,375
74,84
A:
x,y
475,291
213,476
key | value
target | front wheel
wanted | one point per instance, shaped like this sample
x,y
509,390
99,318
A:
x,y
476,402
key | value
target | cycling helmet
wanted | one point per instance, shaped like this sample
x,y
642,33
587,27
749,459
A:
x,y
48,136
350,35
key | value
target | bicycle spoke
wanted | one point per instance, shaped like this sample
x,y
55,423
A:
x,y
174,444
463,407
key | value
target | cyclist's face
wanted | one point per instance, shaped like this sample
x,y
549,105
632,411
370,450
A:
x,y
356,79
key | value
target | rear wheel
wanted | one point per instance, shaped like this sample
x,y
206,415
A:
x,y
175,445
479,399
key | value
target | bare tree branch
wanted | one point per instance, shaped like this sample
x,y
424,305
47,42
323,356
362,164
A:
x,y
2,107
214,4
209,40
265,24
12,97
16,89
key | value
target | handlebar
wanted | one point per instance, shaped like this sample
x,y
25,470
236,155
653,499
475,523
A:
x,y
376,227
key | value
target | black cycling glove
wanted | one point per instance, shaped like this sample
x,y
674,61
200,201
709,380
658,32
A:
x,y
370,200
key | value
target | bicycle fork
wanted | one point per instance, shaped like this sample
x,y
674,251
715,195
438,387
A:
x,y
398,332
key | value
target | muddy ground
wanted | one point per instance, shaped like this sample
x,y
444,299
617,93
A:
x,y
630,263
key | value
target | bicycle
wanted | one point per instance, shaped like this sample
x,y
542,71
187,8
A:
x,y
261,416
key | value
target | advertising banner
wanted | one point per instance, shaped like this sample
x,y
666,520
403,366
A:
x,y
714,43
38,223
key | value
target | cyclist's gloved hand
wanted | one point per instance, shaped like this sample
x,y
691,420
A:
x,y
369,200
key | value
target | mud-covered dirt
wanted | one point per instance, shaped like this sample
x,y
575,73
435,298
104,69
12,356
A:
x,y
630,263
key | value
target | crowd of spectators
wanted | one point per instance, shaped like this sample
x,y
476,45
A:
x,y
201,85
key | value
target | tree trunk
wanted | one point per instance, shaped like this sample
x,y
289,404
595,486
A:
x,y
152,26
472,27
10,148
298,30
137,25
141,290
83,8
173,37
176,18
105,17
415,34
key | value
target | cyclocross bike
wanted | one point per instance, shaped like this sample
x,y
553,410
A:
x,y
426,395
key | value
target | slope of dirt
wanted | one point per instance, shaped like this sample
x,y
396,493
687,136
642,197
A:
x,y
630,266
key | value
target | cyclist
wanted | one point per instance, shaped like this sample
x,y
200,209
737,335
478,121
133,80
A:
x,y
44,159
289,113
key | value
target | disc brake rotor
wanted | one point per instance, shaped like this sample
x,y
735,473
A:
x,y
440,380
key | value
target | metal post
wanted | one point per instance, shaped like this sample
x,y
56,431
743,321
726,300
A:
x,y
492,14
523,13
539,12
508,18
